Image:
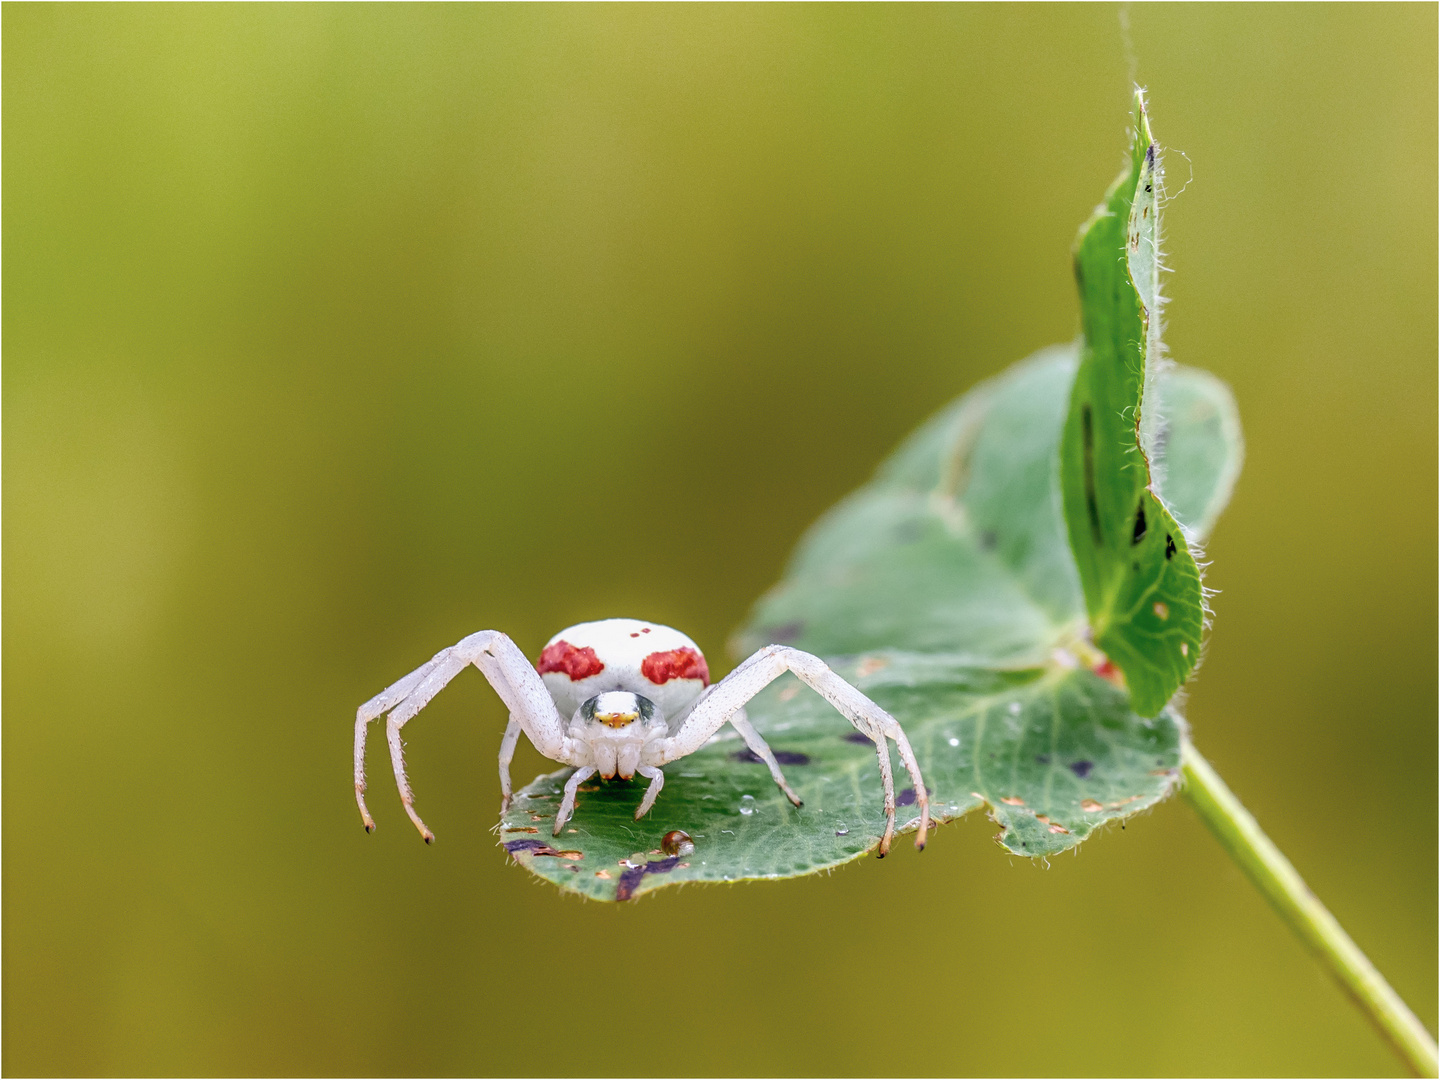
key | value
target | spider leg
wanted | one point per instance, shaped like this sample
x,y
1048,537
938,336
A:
x,y
567,804
507,755
752,676
512,677
657,781
741,723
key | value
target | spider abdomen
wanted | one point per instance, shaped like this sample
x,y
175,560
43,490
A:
x,y
657,662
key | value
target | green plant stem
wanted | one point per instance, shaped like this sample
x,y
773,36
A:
x,y
1272,873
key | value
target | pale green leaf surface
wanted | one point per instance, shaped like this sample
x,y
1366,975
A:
x,y
945,590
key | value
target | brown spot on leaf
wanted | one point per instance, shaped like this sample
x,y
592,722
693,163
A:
x,y
538,847
1059,829
788,694
869,665
520,828
1090,806
603,874
1011,800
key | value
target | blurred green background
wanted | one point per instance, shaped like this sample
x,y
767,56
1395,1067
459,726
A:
x,y
335,333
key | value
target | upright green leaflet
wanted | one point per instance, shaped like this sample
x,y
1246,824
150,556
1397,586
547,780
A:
x,y
1141,584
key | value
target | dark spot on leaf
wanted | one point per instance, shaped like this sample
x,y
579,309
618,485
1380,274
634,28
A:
x,y
782,757
1135,566
1087,431
786,632
906,797
1138,533
856,737
1082,768
632,877
1169,546
535,847
988,540
1043,759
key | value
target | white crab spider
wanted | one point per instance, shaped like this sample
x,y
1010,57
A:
x,y
638,696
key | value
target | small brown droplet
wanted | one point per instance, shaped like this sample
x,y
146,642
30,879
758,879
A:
x,y
1090,806
677,842
1011,800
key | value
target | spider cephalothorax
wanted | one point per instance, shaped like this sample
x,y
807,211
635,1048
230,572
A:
x,y
637,695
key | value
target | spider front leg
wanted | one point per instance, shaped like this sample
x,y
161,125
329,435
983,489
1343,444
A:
x,y
507,755
729,695
513,678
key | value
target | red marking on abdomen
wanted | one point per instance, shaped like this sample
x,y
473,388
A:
x,y
661,667
564,657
